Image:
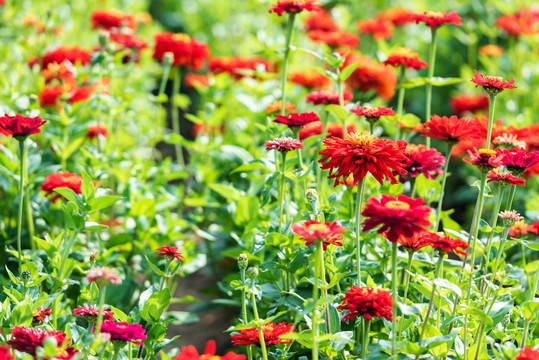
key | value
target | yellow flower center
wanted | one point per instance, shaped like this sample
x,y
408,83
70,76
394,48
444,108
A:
x,y
519,225
318,227
396,204
434,14
181,37
209,357
363,138
499,78
487,152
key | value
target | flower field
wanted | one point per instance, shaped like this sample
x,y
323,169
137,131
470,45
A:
x,y
269,179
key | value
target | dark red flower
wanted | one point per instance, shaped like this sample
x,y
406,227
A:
x,y
485,159
518,161
379,28
414,243
324,97
27,340
367,302
492,84
112,19
528,354
294,6
73,54
320,20
436,19
90,313
422,161
20,127
491,50
372,115
450,129
272,335
95,130
239,67
123,332
503,179
401,216
61,179
40,314
445,243
397,16
283,145
405,56
5,352
296,120
191,353
196,80
335,39
170,253
187,52
521,228
468,103
310,79
361,153
312,231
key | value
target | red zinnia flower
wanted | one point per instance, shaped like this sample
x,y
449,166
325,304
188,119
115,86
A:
x,y
90,313
112,20
492,84
518,161
528,354
316,128
401,216
195,80
272,335
397,16
283,145
415,242
95,130
521,23
27,340
277,106
445,243
491,50
40,314
450,129
63,72
123,332
296,120
187,52
5,353
367,302
73,54
379,28
469,103
310,79
504,179
312,231
521,228
320,20
170,253
370,75
49,95
129,42
335,39
405,56
361,153
191,353
372,115
102,276
293,6
323,97
61,179
484,159
422,161
238,67
436,19
20,127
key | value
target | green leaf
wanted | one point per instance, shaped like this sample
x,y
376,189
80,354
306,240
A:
x,y
22,315
339,112
154,267
412,83
119,314
440,81
479,315
446,284
347,71
102,202
226,191
344,338
67,193
427,189
155,306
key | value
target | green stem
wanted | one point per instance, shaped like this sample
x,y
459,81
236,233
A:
x,y
481,331
65,252
400,102
371,127
432,63
431,302
257,319
359,203
290,31
365,339
281,191
29,216
499,257
491,106
406,285
244,312
21,198
493,223
524,334
163,279
102,292
116,352
394,251
442,189
318,256
130,350
175,115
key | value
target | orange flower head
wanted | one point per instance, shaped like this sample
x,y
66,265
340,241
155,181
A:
x,y
320,20
310,79
313,231
277,106
335,39
370,75
379,28
491,50
437,19
465,103
405,56
450,129
272,335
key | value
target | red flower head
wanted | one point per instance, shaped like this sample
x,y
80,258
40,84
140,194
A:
x,y
324,97
187,52
49,95
102,276
484,159
518,161
320,20
492,84
521,23
312,231
445,243
129,42
405,56
90,313
296,120
521,228
370,75
401,216
379,28
372,115
528,354
39,315
293,6
63,72
27,340
397,16
450,129
73,54
491,50
316,128
415,242
272,335
123,332
504,179
283,145
335,39
469,103
20,127
437,19
191,353
195,80
59,180
112,20
361,153
367,302
422,161
335,130
5,353
95,130
238,67
310,79
170,253
277,106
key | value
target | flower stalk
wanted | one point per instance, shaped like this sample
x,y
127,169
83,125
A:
x,y
289,32
359,202
395,294
442,188
175,115
102,293
432,63
21,201
491,107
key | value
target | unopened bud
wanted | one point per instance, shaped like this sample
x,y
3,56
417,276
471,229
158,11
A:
x,y
168,58
93,256
243,262
252,273
103,38
26,275
311,195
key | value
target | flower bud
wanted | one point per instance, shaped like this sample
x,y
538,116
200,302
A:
x,y
252,273
311,195
168,58
103,38
510,217
243,262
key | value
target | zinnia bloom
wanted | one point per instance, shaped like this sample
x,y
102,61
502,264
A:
x,y
283,145
238,67
335,39
503,179
316,128
469,103
437,19
370,75
518,161
415,242
129,42
95,130
296,120
510,140
320,20
272,335
379,28
397,16
102,276
277,106
123,332
313,231
484,159
112,20
405,56
191,353
170,253
324,97
450,129
422,161
445,243
521,228
196,80
491,50
510,217
310,79
528,354
293,6
59,180
361,153
27,340
49,95
521,23
20,127
367,302
90,313
187,52
372,115
401,216
493,85
73,54
40,314
63,72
